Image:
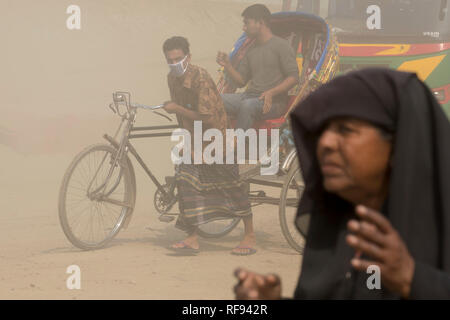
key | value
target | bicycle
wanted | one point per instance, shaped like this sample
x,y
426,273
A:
x,y
102,178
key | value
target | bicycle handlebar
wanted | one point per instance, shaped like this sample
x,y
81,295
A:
x,y
143,106
124,98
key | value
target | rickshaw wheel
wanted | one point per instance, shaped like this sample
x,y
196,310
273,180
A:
x,y
220,228
289,198
217,229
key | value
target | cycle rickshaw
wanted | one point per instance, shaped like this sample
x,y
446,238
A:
x,y
101,178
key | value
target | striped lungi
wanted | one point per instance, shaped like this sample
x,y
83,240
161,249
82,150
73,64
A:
x,y
209,192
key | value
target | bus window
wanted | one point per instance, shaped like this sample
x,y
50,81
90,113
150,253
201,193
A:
x,y
416,18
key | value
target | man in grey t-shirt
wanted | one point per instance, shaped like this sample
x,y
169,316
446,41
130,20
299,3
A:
x,y
269,68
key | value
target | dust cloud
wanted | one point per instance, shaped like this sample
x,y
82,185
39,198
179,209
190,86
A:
x,y
56,86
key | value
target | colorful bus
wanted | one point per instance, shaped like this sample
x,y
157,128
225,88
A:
x,y
408,35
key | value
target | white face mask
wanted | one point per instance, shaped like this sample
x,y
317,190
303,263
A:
x,y
177,69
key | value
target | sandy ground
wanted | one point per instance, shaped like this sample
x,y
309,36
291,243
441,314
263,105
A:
x,y
58,85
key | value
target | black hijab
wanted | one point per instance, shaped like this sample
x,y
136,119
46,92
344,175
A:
x,y
418,202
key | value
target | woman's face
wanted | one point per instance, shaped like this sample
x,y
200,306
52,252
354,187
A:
x,y
354,159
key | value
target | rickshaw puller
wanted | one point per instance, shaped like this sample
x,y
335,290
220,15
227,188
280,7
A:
x,y
206,192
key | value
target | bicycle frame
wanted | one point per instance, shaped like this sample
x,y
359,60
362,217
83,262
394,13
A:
x,y
118,162
130,148
120,158
130,132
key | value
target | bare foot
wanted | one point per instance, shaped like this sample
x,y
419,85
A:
x,y
246,246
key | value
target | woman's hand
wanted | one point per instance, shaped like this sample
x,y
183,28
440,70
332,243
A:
x,y
375,237
254,286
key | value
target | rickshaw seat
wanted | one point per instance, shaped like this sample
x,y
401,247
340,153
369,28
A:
x,y
265,124
269,124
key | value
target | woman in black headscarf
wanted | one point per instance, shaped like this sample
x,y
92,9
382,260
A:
x,y
374,147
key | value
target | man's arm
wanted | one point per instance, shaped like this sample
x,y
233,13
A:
x,y
172,107
284,86
289,68
224,61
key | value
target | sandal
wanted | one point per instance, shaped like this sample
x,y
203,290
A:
x,y
185,248
249,252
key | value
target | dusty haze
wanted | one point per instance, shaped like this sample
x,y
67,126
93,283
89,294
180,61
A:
x,y
56,86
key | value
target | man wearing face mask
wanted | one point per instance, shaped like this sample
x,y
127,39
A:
x,y
269,69
193,92
206,192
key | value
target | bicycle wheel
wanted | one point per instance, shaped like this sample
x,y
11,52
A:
x,y
218,228
92,208
289,198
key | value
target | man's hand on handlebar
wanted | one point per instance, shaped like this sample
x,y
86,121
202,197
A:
x,y
254,286
170,107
